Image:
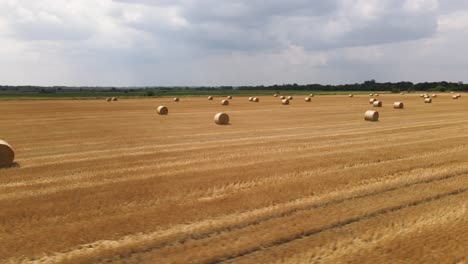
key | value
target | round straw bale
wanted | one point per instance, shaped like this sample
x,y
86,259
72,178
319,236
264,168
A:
x,y
402,93
176,99
256,100
307,99
421,95
7,155
311,95
372,100
221,119
371,115
275,95
162,110
451,92
114,99
458,95
290,97
351,95
210,98
282,97
376,95
377,104
108,99
229,97
454,97
251,99
434,95
285,101
371,95
224,102
428,100
398,105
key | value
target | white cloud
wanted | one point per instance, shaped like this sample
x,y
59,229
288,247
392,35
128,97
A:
x,y
222,42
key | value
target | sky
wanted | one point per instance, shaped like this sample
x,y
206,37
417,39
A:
x,y
231,42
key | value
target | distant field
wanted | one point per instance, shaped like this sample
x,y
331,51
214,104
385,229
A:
x,y
311,182
132,94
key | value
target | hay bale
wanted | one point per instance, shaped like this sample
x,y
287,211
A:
x,y
428,100
452,92
290,97
251,99
371,115
307,99
351,95
376,95
401,93
176,99
285,101
162,110
311,95
221,119
229,97
114,99
434,95
458,95
454,97
282,97
371,95
275,95
377,104
256,100
372,100
224,102
210,98
7,155
398,105
421,95
108,99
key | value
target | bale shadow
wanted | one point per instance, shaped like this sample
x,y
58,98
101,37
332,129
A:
x,y
11,166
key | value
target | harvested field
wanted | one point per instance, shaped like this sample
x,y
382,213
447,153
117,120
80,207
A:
x,y
96,182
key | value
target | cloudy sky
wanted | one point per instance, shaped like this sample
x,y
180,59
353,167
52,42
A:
x,y
231,42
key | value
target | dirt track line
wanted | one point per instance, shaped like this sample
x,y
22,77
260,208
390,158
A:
x,y
181,237
338,224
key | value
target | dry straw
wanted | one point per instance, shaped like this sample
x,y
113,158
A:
x,y
229,97
428,100
251,99
114,99
398,105
307,99
275,95
7,155
162,110
210,98
256,100
371,115
221,119
311,95
371,95
176,99
282,97
224,102
454,97
458,95
108,99
290,97
372,100
377,104
434,95
351,95
285,101
376,95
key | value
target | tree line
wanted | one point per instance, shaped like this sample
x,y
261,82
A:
x,y
370,85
